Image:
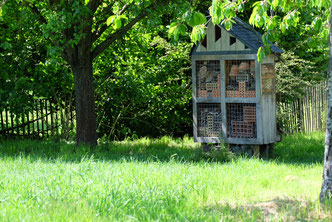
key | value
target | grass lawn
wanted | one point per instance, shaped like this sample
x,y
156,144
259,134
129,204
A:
x,y
160,180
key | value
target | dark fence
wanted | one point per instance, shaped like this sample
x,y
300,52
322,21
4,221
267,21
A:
x,y
46,117
307,114
43,118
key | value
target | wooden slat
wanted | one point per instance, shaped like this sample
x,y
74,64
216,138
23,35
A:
x,y
38,130
28,119
42,115
52,120
7,120
46,118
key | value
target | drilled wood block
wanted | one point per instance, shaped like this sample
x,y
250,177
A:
x,y
202,131
242,129
216,93
249,114
231,93
202,93
213,134
251,94
211,86
242,86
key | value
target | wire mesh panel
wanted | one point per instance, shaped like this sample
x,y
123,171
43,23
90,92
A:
x,y
268,79
208,78
209,119
240,78
241,120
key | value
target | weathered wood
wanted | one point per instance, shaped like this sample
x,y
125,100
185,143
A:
x,y
38,132
7,120
12,123
194,99
210,35
52,120
42,120
28,123
46,119
2,125
23,120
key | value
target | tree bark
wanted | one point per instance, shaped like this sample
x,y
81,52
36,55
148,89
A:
x,y
85,104
327,171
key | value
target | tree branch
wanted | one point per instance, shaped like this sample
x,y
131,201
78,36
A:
x,y
103,24
93,5
118,34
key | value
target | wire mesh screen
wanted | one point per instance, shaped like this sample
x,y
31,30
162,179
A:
x,y
241,120
268,79
240,78
209,119
208,78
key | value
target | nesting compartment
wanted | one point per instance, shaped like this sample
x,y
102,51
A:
x,y
240,78
208,79
241,120
209,119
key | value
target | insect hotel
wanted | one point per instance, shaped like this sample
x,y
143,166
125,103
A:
x,y
233,95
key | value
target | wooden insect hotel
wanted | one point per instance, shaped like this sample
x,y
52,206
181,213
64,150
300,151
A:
x,y
234,96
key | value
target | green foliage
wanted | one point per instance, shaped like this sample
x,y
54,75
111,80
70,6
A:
x,y
145,91
28,68
294,75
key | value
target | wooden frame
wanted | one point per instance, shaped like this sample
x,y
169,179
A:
x,y
223,100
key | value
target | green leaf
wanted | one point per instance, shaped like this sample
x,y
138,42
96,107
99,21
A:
x,y
117,23
228,25
110,20
275,4
317,24
261,54
197,33
240,8
196,18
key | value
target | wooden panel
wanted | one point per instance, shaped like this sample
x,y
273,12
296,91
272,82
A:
x,y
242,141
268,112
193,66
233,46
223,104
207,139
226,57
210,32
225,40
201,48
223,44
218,45
241,100
239,46
268,59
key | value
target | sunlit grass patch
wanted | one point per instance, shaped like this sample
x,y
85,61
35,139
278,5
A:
x,y
158,180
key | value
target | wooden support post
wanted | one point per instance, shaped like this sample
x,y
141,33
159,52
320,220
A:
x,y
46,118
42,117
38,130
52,123
2,125
28,121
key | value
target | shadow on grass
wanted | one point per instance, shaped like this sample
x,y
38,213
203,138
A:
x,y
146,150
294,149
279,209
300,149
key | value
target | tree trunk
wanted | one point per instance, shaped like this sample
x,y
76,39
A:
x,y
327,171
85,103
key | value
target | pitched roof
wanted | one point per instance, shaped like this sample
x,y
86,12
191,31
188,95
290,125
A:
x,y
247,35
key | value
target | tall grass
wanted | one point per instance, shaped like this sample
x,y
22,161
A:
x,y
156,180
